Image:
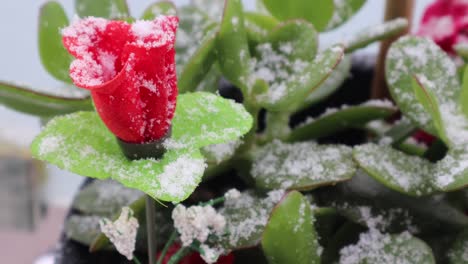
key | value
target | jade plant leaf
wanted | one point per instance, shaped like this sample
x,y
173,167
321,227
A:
x,y
292,219
301,166
55,59
457,253
463,101
318,13
103,8
82,144
82,228
451,173
159,8
344,10
232,46
246,218
413,56
104,198
375,33
403,173
39,103
258,25
336,120
375,247
213,8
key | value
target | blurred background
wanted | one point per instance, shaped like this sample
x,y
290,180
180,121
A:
x,y
34,197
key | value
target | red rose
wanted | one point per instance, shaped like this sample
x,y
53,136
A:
x,y
446,22
194,258
130,71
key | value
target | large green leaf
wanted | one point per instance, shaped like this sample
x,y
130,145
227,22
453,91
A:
x,y
102,8
159,8
82,144
335,120
463,102
344,10
376,33
40,104
375,247
318,13
410,175
291,219
55,59
301,166
413,56
451,173
258,25
458,252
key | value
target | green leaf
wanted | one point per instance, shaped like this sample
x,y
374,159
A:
x,y
103,8
198,66
410,175
344,10
451,173
292,79
232,46
82,144
412,56
213,8
462,50
159,8
463,101
301,166
336,120
375,247
457,253
246,218
55,59
82,228
372,34
38,103
318,13
291,219
104,198
332,83
258,25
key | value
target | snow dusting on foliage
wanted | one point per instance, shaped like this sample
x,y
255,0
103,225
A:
x,y
452,168
221,152
301,165
122,233
373,33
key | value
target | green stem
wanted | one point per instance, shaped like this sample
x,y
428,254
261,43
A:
x,y
135,259
182,252
169,243
214,201
277,125
251,137
151,228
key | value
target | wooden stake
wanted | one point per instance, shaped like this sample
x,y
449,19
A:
x,y
393,9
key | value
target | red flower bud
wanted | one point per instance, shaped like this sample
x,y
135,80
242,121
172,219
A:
x,y
130,71
446,22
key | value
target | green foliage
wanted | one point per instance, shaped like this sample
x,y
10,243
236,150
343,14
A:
x,y
159,8
104,8
344,10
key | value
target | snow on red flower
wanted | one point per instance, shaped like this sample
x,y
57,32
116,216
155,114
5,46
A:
x,y
129,70
446,22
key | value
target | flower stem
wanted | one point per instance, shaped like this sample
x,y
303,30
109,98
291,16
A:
x,y
151,228
135,259
182,252
169,243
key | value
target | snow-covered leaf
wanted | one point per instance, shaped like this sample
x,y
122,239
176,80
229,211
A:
x,y
292,219
55,59
451,172
82,228
213,8
103,8
301,166
258,25
104,198
376,33
335,120
41,104
458,253
463,101
318,13
407,174
159,8
344,10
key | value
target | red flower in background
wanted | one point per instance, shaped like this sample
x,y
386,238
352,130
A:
x,y
446,22
193,258
130,71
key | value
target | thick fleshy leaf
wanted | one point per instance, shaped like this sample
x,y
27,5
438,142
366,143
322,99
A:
x,y
459,249
301,166
375,247
344,10
413,56
318,13
213,8
232,46
291,79
336,120
292,219
203,119
246,218
40,104
410,175
102,8
451,173
376,33
258,25
104,198
463,102
332,83
54,57
159,8
82,228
